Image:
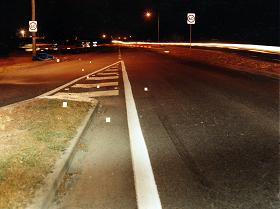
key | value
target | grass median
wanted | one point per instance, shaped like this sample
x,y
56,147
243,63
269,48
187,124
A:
x,y
33,136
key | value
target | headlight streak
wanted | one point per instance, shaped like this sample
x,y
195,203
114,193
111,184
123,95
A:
x,y
245,47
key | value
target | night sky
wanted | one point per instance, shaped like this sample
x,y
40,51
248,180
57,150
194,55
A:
x,y
240,21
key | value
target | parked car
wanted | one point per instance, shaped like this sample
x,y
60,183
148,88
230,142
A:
x,y
42,57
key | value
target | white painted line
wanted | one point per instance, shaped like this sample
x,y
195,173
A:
x,y
112,70
63,95
94,85
145,185
103,78
106,74
75,81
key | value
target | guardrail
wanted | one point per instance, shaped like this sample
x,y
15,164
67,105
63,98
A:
x,y
245,47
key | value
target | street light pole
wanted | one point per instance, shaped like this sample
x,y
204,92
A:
x,y
158,27
33,18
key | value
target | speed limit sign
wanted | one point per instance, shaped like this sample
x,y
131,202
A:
x,y
191,18
33,27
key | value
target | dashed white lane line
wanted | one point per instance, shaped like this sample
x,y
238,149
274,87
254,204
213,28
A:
x,y
145,185
94,85
102,78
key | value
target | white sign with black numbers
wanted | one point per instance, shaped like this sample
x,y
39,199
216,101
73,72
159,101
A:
x,y
191,18
33,27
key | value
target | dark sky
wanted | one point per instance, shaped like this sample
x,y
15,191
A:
x,y
244,21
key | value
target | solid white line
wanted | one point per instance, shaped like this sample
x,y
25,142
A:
x,y
145,185
75,81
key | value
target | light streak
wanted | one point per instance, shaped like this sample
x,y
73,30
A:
x,y
246,47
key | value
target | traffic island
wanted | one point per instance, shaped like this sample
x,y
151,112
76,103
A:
x,y
37,139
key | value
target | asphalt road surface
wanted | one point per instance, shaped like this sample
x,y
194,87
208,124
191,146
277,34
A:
x,y
212,134
212,137
25,81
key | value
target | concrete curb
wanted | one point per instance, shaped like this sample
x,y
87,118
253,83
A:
x,y
45,195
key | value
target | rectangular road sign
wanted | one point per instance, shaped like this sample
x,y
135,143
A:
x,y
191,18
33,27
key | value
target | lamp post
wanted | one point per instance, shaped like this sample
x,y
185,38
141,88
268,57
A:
x,y
33,17
158,27
148,15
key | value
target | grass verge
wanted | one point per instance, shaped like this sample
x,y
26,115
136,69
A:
x,y
32,138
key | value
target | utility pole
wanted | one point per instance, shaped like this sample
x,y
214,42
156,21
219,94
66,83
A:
x,y
33,18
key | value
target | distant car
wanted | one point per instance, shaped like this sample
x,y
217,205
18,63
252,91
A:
x,y
42,57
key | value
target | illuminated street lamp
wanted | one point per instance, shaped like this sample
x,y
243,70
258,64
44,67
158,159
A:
x,y
22,32
148,15
104,36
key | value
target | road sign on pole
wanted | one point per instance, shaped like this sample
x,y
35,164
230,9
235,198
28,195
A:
x,y
191,18
33,27
191,21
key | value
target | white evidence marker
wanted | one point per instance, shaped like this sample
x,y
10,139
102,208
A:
x,y
89,62
87,77
67,89
108,120
64,104
83,69
146,89
57,60
98,86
